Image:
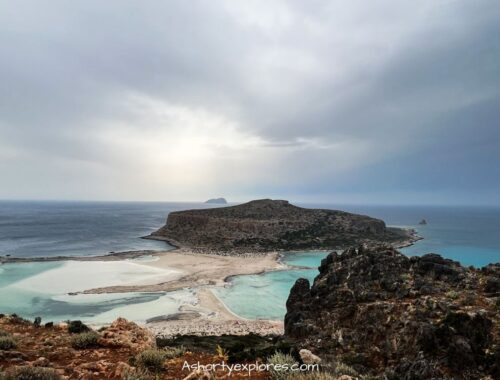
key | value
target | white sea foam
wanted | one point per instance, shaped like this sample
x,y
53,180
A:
x,y
76,276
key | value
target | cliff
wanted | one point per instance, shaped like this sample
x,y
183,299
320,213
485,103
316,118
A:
x,y
274,225
388,315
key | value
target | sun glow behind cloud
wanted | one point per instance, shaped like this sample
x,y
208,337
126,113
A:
x,y
183,151
307,100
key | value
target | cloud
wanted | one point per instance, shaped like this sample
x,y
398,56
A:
x,y
319,99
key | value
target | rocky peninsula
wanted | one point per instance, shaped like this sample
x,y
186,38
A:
x,y
395,317
268,225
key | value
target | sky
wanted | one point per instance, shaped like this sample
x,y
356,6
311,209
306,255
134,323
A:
x,y
392,102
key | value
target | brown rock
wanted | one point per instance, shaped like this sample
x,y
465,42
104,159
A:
x,y
122,369
199,374
123,333
308,357
411,309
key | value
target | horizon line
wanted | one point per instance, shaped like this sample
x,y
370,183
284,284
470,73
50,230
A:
x,y
326,202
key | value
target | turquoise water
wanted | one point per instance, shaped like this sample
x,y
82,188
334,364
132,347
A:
x,y
270,289
470,235
40,289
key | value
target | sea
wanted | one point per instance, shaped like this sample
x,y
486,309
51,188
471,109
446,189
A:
x,y
470,235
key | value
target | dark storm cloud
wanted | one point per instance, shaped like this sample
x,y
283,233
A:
x,y
348,94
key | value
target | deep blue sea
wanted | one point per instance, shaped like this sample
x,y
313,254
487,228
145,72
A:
x,y
470,235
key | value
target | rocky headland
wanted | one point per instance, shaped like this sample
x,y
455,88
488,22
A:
x,y
267,225
395,317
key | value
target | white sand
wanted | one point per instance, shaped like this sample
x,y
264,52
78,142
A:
x,y
76,276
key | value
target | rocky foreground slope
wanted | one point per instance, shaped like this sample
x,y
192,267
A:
x,y
121,351
404,318
264,225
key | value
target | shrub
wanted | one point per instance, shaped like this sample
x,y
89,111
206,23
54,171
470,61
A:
x,y
7,343
174,352
136,375
31,373
152,359
85,340
453,294
344,369
222,353
77,327
281,360
4,333
312,376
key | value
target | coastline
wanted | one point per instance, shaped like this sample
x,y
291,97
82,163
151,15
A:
x,y
200,271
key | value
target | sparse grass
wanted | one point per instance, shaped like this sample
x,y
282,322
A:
x,y
7,343
85,340
137,375
174,352
222,353
152,360
279,359
31,373
4,333
312,376
344,369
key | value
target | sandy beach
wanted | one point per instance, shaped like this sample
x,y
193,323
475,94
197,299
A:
x,y
201,273
198,269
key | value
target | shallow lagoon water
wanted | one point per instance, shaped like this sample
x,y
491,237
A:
x,y
271,289
41,289
470,235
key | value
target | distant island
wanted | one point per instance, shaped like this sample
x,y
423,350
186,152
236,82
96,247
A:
x,y
268,225
217,201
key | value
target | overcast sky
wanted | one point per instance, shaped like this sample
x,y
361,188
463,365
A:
x,y
341,101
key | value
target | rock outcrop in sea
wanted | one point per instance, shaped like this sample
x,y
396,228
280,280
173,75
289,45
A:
x,y
266,224
217,201
388,315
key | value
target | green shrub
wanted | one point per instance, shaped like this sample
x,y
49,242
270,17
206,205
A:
x,y
136,375
4,333
452,294
311,376
280,359
344,369
85,340
174,352
152,360
77,327
31,373
7,343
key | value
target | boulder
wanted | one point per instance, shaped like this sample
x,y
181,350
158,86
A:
x,y
123,333
308,357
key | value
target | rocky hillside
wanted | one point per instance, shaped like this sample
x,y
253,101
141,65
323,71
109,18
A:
x,y
383,313
123,350
273,225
